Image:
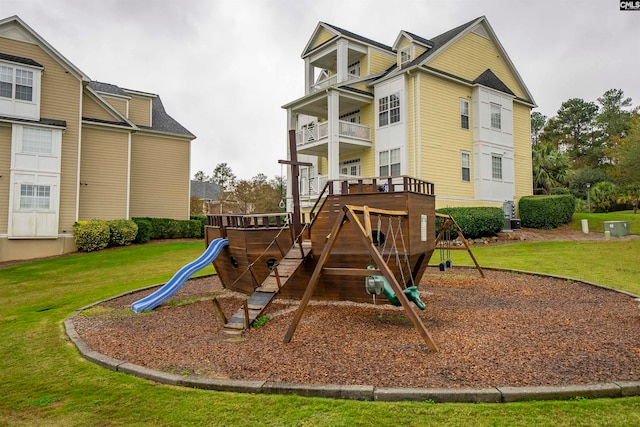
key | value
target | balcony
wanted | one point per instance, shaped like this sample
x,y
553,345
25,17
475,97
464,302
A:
x,y
313,139
323,84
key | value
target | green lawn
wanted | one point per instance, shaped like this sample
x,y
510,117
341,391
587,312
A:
x,y
596,220
44,380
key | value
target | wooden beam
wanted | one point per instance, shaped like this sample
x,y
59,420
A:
x,y
313,282
388,274
363,272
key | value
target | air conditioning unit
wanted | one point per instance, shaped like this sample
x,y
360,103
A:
x,y
617,228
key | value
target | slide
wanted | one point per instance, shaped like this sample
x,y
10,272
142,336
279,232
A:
x,y
171,287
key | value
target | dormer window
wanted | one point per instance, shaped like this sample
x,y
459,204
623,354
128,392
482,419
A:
x,y
405,55
21,80
19,90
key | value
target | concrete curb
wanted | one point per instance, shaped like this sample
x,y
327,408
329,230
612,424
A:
x,y
365,392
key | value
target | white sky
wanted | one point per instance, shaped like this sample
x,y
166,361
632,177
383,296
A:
x,y
223,68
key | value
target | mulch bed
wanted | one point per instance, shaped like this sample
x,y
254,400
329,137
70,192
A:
x,y
509,329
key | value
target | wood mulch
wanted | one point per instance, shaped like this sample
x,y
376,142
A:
x,y
509,329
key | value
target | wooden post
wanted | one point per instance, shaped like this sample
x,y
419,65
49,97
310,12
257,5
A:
x,y
245,306
295,185
275,271
388,274
313,282
220,312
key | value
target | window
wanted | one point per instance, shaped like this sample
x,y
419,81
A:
x,y
466,169
496,166
350,167
6,82
389,109
35,197
496,116
23,83
389,162
405,55
464,113
354,69
38,141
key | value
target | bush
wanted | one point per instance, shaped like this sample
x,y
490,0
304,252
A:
x,y
144,230
91,235
545,212
202,219
476,222
166,228
123,232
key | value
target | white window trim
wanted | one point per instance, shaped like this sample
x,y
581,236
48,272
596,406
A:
x,y
493,169
495,111
405,55
464,108
463,167
27,169
13,107
389,110
389,162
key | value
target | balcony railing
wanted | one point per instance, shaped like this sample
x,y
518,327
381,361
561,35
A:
x,y
330,82
318,131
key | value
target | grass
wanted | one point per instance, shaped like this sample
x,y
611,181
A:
x,y
596,220
44,380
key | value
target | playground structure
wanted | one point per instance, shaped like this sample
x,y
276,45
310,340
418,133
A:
x,y
365,236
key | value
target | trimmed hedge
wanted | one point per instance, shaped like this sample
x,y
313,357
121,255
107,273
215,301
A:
x,y
92,235
166,228
123,232
546,212
144,230
476,222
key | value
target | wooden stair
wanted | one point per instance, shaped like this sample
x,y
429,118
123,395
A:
x,y
263,295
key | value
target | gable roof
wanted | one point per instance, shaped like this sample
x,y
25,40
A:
x,y
489,79
160,120
412,38
344,33
15,28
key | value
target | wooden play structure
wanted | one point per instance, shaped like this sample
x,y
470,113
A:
x,y
363,237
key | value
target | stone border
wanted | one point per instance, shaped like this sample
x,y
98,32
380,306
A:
x,y
366,392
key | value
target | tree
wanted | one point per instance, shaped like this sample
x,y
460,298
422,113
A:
x,y
604,195
630,194
627,169
257,195
538,121
583,176
550,167
223,176
576,125
200,176
613,121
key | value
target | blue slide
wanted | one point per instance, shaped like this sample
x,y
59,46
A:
x,y
171,287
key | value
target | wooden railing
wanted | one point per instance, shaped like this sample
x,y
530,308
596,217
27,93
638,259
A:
x,y
266,220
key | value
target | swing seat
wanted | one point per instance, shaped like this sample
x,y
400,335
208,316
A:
x,y
412,293
443,266
449,263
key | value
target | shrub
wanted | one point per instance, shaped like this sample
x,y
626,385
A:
x,y
91,235
166,228
123,232
604,195
202,219
476,222
144,230
545,212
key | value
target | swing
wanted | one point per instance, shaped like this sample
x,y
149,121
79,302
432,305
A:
x,y
375,285
445,251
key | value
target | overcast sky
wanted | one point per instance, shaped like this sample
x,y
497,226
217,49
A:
x,y
223,68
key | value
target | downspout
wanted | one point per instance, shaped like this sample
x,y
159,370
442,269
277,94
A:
x,y
78,167
128,176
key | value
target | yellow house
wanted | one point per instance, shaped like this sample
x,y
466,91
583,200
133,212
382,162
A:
x,y
451,110
74,149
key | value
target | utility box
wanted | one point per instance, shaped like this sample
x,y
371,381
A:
x,y
617,228
515,224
